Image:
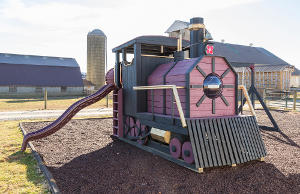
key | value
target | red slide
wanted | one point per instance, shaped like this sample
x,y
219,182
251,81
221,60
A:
x,y
68,114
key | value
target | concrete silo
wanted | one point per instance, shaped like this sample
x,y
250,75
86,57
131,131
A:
x,y
96,57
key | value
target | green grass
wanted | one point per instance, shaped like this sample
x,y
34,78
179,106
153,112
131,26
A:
x,y
18,170
61,103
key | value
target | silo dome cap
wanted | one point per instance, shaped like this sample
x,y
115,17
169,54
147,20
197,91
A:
x,y
97,32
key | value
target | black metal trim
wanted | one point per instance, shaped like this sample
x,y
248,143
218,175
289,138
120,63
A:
x,y
224,100
213,106
196,86
201,71
225,73
201,100
228,86
213,69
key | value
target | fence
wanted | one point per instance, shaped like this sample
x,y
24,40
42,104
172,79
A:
x,y
282,100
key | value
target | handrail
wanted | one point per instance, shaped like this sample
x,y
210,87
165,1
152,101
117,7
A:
x,y
175,93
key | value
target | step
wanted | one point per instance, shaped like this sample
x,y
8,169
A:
x,y
115,119
115,111
116,127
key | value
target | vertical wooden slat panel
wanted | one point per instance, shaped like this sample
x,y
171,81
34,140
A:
x,y
244,139
255,137
219,141
221,132
215,144
205,136
252,138
262,145
240,148
232,141
227,141
197,141
210,141
202,144
249,138
190,126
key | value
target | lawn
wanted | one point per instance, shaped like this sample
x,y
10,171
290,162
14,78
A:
x,y
19,171
58,103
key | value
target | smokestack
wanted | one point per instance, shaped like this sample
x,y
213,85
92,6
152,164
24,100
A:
x,y
197,30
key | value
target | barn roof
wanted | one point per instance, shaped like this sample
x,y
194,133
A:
x,y
37,60
39,71
296,71
240,55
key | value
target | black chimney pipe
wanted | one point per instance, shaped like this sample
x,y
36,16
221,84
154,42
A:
x,y
197,29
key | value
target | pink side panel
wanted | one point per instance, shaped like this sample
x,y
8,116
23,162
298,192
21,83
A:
x,y
205,108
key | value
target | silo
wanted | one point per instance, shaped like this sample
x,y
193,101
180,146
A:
x,y
96,57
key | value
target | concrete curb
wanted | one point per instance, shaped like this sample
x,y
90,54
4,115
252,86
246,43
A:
x,y
51,182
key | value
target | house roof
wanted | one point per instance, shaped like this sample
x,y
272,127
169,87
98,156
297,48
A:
x,y
296,71
177,25
8,58
240,55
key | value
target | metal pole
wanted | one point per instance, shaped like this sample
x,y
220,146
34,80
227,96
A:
x,y
252,85
45,98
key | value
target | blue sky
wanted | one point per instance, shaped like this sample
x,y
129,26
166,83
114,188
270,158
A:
x,y
59,27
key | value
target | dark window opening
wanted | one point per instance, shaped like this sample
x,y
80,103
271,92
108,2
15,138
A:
x,y
12,89
63,89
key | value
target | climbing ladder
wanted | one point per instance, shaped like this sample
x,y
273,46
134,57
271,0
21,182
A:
x,y
118,113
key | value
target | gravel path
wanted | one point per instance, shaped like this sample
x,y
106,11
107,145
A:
x,y
84,158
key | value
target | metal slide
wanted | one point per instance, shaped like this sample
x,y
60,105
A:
x,y
67,115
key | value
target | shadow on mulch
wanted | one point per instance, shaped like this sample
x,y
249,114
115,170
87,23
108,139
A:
x,y
122,168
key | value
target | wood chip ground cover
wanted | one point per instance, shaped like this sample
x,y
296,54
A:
x,y
84,158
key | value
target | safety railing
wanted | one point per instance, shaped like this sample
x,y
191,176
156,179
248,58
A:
x,y
175,95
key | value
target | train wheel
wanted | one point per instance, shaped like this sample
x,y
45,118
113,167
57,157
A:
x,y
144,131
187,152
175,147
129,127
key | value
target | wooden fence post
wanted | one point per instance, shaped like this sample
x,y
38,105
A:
x,y
45,98
295,100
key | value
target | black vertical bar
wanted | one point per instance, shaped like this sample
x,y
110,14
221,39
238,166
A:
x,y
117,70
213,69
210,141
223,140
244,139
248,137
192,138
238,142
256,147
227,141
266,109
213,135
152,104
242,101
232,141
252,85
205,139
172,101
201,139
213,106
218,140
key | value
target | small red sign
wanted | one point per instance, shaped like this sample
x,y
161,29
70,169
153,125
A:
x,y
209,49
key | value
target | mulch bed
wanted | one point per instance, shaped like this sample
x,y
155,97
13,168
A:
x,y
84,158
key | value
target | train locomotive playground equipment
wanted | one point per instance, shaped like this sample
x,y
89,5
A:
x,y
182,109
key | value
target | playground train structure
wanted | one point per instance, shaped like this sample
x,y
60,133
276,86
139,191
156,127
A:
x,y
184,109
